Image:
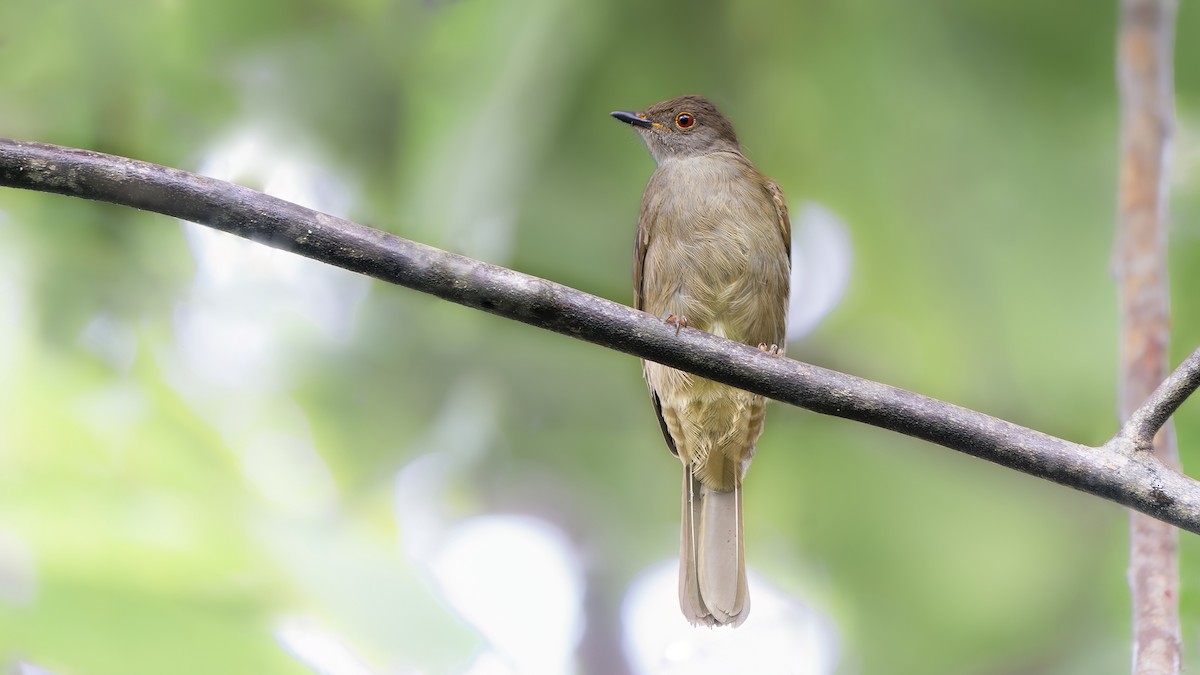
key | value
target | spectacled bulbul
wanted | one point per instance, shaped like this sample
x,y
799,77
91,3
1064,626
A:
x,y
713,252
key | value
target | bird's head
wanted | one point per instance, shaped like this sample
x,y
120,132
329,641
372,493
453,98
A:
x,y
685,126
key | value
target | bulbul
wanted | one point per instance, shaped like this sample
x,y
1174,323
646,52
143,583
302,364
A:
x,y
713,252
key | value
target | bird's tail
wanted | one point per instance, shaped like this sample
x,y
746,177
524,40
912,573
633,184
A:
x,y
712,561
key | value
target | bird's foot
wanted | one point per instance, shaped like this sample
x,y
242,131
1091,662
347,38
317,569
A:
x,y
679,320
770,349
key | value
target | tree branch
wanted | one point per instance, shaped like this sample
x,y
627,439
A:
x,y
1136,480
1144,80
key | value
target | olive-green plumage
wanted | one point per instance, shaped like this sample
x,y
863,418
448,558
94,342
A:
x,y
713,250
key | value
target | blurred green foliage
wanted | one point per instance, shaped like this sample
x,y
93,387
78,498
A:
x,y
970,147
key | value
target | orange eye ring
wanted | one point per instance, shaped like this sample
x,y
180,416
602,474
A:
x,y
685,120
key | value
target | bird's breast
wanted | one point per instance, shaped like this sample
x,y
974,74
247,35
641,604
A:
x,y
715,254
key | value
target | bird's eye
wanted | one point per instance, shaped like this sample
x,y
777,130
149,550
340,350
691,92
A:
x,y
685,120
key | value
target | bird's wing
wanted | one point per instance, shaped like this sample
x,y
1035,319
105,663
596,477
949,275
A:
x,y
781,211
640,246
662,423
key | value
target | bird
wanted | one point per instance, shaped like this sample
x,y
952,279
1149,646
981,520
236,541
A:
x,y
713,252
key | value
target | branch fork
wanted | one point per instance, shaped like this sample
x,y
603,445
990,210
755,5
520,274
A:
x,y
1138,432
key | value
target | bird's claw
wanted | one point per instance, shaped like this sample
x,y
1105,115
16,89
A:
x,y
679,320
770,349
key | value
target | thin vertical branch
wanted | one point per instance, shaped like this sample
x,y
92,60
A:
x,y
1144,78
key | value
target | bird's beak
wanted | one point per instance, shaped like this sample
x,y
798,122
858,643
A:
x,y
633,118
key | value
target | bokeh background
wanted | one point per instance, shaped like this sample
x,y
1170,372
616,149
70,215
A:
x,y
215,457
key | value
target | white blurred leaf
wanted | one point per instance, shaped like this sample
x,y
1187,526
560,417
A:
x,y
821,262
